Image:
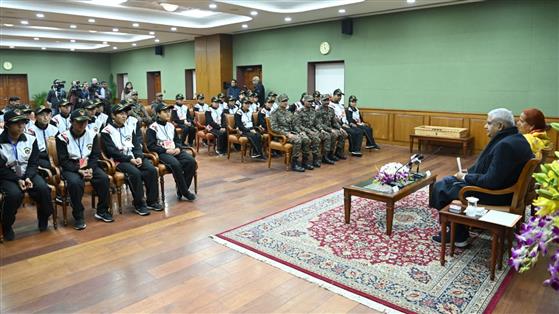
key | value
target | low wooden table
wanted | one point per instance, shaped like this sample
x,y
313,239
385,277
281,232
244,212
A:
x,y
466,142
498,233
388,198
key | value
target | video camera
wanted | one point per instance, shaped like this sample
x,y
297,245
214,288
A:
x,y
76,88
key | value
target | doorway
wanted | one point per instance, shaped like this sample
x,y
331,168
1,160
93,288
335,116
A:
x,y
189,83
325,77
13,85
121,80
154,85
245,75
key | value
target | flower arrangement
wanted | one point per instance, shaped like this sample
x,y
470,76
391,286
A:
x,y
543,228
393,172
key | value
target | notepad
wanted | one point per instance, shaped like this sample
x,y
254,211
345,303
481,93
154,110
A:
x,y
501,218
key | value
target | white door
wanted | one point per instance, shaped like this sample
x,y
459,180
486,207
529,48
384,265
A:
x,y
328,77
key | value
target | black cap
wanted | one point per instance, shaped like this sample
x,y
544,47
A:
x,y
254,95
215,99
272,94
231,98
352,98
325,97
200,96
79,115
40,109
120,107
221,95
64,103
161,107
14,116
179,96
14,98
89,105
99,102
338,92
316,93
270,99
246,101
26,109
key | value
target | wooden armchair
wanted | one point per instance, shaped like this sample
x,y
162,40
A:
x,y
234,137
278,142
519,190
265,135
119,178
62,185
203,133
161,168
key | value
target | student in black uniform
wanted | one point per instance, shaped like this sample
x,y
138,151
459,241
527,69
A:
x,y
231,106
265,112
243,121
215,123
182,118
42,129
62,119
19,155
356,120
123,146
78,153
161,139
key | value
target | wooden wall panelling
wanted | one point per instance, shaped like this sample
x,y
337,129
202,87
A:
x,y
404,125
380,122
201,60
477,130
455,122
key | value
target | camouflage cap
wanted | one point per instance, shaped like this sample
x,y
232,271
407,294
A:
x,y
283,97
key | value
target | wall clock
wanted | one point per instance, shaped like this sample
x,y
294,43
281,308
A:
x,y
7,65
324,47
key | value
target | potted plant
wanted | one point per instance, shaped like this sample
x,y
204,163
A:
x,y
39,99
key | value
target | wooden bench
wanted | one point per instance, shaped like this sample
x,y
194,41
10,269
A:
x,y
466,142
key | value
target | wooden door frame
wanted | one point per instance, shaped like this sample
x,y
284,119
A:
x,y
120,84
240,70
25,97
311,73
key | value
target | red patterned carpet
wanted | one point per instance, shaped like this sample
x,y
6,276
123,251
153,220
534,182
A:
x,y
401,273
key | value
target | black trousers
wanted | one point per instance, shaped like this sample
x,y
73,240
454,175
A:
x,y
355,136
135,176
255,140
75,185
221,140
368,132
183,167
13,197
188,131
44,163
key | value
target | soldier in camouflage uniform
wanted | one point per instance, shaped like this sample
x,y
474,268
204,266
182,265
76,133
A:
x,y
327,117
306,120
283,122
138,110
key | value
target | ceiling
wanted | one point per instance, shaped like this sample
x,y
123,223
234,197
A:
x,y
116,25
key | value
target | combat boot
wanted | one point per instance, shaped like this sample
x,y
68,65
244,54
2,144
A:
x,y
316,161
306,164
327,160
340,154
295,166
332,156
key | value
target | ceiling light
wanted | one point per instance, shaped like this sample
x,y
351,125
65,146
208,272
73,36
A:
x,y
40,15
174,29
115,48
109,3
73,26
72,40
342,11
287,19
213,5
410,1
134,45
197,13
254,13
156,40
244,26
43,48
8,25
169,7
72,49
36,38
115,29
152,33
92,31
24,22
91,20
104,43
12,47
136,25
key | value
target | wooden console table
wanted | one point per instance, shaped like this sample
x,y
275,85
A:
x,y
466,142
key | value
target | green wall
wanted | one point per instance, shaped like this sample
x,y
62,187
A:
x,y
42,67
464,58
176,59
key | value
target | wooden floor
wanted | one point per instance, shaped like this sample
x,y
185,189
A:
x,y
166,262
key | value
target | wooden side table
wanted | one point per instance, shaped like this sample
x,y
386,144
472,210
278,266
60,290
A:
x,y
498,233
467,143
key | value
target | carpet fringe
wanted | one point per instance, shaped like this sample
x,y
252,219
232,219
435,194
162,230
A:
x,y
352,296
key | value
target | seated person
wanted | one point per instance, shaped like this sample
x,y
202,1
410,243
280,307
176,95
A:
x,y
42,130
243,121
215,123
266,112
137,110
161,138
255,105
78,153
91,108
294,107
200,104
326,118
353,133
182,118
306,121
497,167
356,120
19,155
62,120
231,107
123,146
531,124
102,118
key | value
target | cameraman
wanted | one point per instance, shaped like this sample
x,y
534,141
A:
x,y
75,95
94,89
55,95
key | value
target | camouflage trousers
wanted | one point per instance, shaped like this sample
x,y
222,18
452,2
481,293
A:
x,y
340,136
300,143
314,143
328,140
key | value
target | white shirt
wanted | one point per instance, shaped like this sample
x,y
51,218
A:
x,y
62,123
78,148
43,135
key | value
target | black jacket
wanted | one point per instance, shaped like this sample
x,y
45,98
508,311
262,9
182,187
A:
x,y
239,123
32,163
113,152
349,116
175,117
68,164
210,121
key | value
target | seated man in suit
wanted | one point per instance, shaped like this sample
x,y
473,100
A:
x,y
497,167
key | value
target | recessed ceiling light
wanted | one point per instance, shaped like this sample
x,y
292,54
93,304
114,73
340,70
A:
x,y
36,38
156,40
342,11
72,40
244,26
152,33
24,22
73,26
8,25
174,29
254,13
115,48
91,20
92,31
104,43
287,19
213,5
12,47
72,49
169,7
410,1
40,15
115,29
43,48
136,25
134,45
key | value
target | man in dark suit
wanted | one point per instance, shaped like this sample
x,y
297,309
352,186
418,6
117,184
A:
x,y
259,89
497,167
